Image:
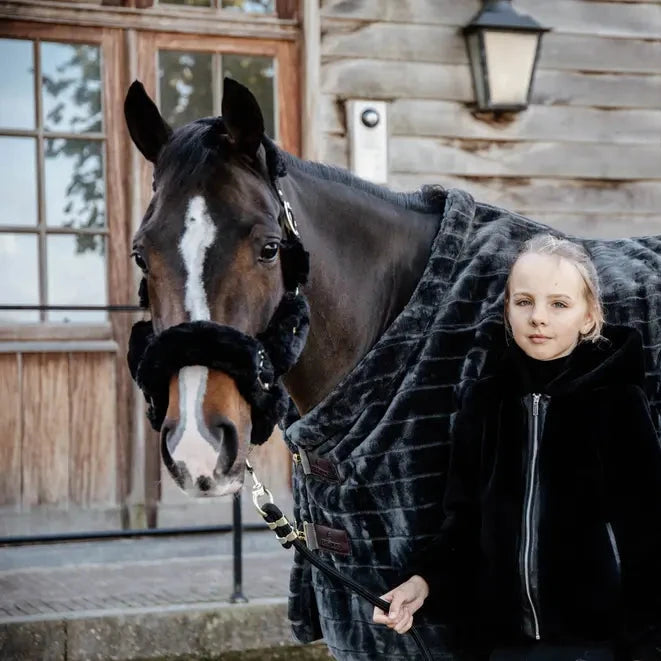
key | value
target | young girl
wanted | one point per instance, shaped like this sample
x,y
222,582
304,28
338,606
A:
x,y
551,545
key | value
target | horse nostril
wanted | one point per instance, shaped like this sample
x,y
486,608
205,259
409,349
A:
x,y
170,464
166,432
224,432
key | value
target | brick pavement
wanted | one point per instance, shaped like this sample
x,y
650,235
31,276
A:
x,y
138,584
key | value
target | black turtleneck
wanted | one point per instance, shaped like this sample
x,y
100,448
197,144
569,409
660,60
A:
x,y
538,374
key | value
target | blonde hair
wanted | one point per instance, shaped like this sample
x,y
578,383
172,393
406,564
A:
x,y
547,244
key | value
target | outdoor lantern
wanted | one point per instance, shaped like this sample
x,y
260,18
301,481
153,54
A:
x,y
503,47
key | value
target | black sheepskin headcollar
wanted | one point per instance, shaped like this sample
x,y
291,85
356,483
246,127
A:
x,y
256,364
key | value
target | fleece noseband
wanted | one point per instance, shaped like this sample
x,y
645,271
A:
x,y
256,364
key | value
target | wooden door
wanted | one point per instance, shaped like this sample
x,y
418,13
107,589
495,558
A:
x,y
184,73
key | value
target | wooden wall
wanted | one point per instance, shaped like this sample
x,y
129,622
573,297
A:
x,y
58,447
586,155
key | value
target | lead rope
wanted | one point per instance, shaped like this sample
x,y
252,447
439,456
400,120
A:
x,y
289,537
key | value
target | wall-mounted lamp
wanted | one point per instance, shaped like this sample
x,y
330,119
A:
x,y
503,47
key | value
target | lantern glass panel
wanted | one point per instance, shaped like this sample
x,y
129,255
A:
x,y
510,60
475,52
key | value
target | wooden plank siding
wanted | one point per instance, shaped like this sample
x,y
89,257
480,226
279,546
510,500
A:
x,y
10,423
445,45
611,18
544,195
432,118
462,156
589,146
389,80
46,435
93,429
58,413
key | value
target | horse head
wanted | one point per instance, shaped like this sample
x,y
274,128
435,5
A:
x,y
209,246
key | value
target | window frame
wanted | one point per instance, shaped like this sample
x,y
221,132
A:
x,y
126,14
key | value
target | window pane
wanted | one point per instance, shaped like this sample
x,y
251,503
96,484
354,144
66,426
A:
x,y
250,6
71,87
18,181
258,74
19,274
77,275
74,183
185,86
17,110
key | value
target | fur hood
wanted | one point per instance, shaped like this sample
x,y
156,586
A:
x,y
615,359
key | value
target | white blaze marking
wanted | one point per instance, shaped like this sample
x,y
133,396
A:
x,y
193,449
198,236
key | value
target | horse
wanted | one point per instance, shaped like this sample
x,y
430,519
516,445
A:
x,y
405,299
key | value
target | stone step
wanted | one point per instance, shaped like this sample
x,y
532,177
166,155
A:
x,y
210,631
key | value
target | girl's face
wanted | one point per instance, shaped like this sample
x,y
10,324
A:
x,y
547,308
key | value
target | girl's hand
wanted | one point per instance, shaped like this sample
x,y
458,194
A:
x,y
404,600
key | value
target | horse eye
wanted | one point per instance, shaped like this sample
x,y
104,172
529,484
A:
x,y
140,262
269,252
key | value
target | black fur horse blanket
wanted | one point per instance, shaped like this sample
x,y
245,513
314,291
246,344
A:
x,y
385,427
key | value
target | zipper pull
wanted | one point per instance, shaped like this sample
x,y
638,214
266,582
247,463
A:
x,y
535,404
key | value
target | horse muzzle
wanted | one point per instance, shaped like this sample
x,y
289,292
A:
x,y
199,448
202,430
199,468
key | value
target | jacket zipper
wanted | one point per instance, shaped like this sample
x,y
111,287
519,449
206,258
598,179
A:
x,y
613,542
528,550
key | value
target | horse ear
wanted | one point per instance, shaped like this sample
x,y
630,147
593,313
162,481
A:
x,y
242,116
148,129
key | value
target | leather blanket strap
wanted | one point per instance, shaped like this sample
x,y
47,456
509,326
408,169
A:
x,y
320,537
326,539
312,464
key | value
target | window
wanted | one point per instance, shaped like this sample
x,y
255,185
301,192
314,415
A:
x,y
190,84
53,229
184,74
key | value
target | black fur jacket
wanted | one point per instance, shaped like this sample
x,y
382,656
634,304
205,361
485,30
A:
x,y
553,508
